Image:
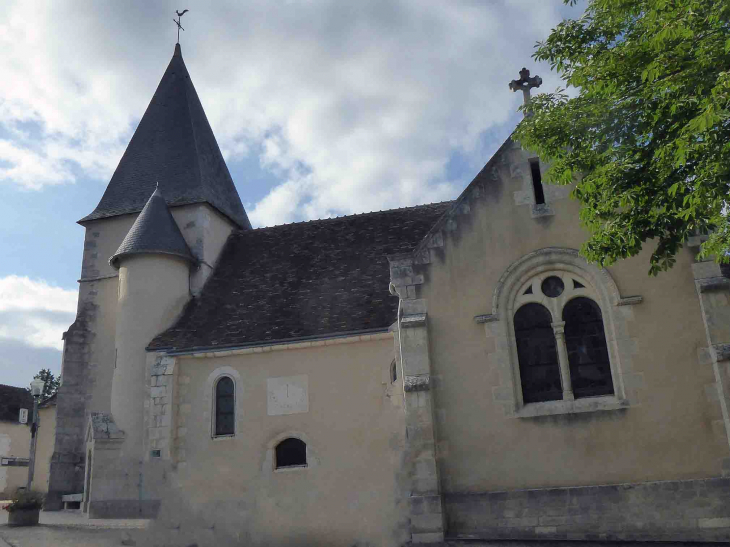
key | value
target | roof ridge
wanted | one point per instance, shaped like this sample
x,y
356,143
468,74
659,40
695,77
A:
x,y
189,118
352,215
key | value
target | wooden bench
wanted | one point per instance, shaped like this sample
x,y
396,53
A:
x,y
72,498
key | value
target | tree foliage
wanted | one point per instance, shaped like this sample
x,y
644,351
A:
x,y
647,138
51,383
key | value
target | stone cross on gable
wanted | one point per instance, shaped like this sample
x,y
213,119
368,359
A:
x,y
525,83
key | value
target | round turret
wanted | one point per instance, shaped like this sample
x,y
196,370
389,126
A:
x,y
154,272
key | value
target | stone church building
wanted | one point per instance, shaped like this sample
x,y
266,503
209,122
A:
x,y
452,370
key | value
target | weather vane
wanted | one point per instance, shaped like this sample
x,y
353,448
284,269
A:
x,y
177,22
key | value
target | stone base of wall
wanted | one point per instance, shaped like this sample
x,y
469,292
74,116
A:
x,y
690,510
66,477
124,509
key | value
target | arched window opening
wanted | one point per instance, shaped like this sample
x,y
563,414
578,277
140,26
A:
x,y
537,354
291,452
224,407
537,181
585,340
393,372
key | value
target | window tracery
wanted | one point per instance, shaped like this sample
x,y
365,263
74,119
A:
x,y
537,354
521,284
560,340
585,340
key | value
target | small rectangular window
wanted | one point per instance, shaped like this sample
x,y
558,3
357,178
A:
x,y
156,454
537,181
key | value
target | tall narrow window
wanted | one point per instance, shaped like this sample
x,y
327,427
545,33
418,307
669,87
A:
x,y
537,181
393,372
291,452
224,407
537,354
590,371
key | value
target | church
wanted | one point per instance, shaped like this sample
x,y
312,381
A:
x,y
450,371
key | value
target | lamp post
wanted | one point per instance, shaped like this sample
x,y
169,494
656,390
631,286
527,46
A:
x,y
36,389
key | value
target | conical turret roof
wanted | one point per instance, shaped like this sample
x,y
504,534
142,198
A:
x,y
155,231
173,144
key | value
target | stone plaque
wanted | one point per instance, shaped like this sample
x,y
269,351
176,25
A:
x,y
287,395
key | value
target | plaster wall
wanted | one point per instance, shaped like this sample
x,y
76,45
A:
x,y
98,303
352,492
152,292
673,428
14,441
205,231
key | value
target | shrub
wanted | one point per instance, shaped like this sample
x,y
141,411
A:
x,y
25,500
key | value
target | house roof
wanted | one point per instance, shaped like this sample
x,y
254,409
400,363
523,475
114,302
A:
x,y
50,401
154,231
175,146
307,279
12,399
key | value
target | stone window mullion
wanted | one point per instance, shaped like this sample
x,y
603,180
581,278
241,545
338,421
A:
x,y
559,330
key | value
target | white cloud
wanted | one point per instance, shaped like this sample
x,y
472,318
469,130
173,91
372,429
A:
x,y
356,105
34,312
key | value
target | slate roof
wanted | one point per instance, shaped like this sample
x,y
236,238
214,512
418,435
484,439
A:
x,y
307,279
154,231
12,399
175,146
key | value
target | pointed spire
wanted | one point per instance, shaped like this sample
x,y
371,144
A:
x,y
174,144
154,232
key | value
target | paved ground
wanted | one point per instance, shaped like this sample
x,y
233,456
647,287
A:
x,y
68,529
73,529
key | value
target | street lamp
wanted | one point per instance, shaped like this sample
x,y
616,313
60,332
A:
x,y
36,389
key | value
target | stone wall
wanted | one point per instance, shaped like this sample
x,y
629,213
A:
x,y
66,469
692,510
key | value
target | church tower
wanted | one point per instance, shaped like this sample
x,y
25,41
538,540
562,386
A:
x,y
162,249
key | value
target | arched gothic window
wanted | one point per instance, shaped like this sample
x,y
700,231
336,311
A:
x,y
552,277
225,406
590,369
291,452
537,354
560,359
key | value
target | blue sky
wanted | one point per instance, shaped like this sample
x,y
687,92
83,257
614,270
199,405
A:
x,y
321,108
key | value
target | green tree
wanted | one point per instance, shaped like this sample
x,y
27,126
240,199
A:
x,y
51,383
647,138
